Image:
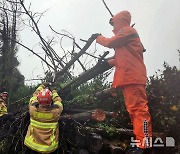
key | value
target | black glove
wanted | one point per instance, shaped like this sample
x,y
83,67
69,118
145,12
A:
x,y
94,36
52,87
111,21
47,84
105,63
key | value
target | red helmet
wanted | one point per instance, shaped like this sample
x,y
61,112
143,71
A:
x,y
44,97
4,94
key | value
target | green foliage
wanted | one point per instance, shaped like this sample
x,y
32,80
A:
x,y
21,92
163,96
164,101
109,129
19,100
9,73
83,97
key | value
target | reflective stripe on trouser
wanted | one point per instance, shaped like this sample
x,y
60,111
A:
x,y
136,104
29,141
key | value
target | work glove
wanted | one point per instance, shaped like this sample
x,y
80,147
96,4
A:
x,y
49,85
52,87
111,21
104,63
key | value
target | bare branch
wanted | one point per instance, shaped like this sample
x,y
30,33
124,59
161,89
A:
x,y
35,54
36,29
90,40
66,36
107,8
99,68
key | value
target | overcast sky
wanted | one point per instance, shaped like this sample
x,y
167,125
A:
x,y
157,22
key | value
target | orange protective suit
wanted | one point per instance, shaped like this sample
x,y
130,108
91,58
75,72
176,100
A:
x,y
130,72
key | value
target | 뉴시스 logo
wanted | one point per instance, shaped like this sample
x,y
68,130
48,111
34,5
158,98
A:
x,y
158,142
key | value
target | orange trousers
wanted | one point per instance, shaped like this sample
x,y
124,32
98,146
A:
x,y
136,105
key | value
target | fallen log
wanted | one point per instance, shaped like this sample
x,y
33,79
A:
x,y
107,93
76,57
123,132
99,68
117,131
71,111
84,115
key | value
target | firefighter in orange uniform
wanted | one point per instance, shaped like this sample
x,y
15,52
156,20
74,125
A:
x,y
45,108
130,75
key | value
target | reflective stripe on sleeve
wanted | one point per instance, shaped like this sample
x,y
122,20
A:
x,y
54,95
58,103
34,98
39,88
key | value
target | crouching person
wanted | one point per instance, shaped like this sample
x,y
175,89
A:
x,y
45,108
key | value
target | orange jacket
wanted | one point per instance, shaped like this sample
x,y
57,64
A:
x,y
128,61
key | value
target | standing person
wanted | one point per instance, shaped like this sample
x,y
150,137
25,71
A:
x,y
130,76
45,108
6,118
3,103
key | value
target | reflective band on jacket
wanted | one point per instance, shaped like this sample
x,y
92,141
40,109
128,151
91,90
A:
x,y
1,114
54,95
40,115
33,98
3,110
39,88
58,103
31,143
37,124
39,147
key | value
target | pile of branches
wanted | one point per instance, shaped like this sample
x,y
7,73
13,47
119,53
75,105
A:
x,y
80,131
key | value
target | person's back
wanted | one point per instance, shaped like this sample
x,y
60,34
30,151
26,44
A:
x,y
43,131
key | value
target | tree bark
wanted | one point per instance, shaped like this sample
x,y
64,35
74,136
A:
x,y
84,115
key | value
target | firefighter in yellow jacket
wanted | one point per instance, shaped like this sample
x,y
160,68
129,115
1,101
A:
x,y
3,103
45,108
6,119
